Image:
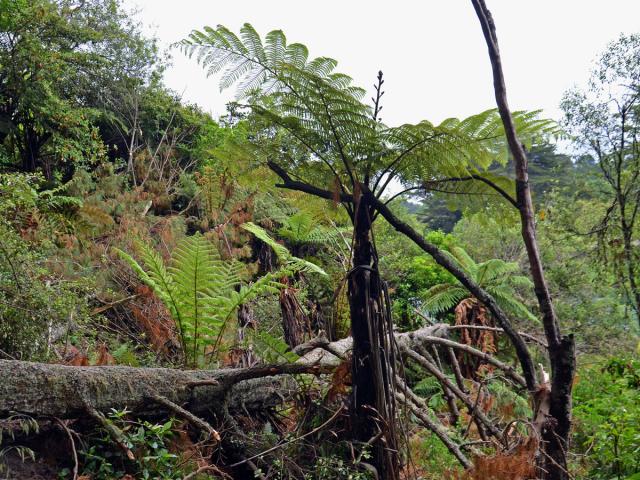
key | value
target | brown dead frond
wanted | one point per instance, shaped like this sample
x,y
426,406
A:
x,y
517,464
471,312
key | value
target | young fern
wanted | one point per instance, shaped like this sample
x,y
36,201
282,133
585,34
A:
x,y
203,292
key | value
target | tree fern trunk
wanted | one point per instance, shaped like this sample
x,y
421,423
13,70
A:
x,y
370,364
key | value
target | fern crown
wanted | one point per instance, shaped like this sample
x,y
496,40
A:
x,y
329,133
496,276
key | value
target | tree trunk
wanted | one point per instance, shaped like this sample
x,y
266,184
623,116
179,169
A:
x,y
556,432
561,348
41,389
294,320
370,399
629,259
364,395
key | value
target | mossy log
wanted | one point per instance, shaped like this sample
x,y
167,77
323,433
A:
x,y
39,389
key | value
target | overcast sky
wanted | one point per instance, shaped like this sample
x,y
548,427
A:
x,y
431,52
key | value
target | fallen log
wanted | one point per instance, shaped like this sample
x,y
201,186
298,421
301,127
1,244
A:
x,y
61,391
38,389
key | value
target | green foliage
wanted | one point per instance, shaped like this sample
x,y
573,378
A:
x,y
202,292
47,46
431,390
330,468
326,134
24,425
33,301
149,442
291,263
604,122
23,201
431,458
607,415
496,276
408,270
303,228
272,349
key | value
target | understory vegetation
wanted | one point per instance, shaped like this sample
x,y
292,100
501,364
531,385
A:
x,y
302,236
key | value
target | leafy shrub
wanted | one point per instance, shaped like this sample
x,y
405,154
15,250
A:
x,y
607,416
331,468
430,459
149,443
33,302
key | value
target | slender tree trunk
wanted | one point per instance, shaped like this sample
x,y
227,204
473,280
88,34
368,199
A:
x,y
630,265
30,151
555,431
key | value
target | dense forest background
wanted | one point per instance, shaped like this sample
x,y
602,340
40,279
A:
x,y
137,230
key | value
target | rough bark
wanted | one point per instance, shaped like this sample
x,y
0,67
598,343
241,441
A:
x,y
363,273
372,397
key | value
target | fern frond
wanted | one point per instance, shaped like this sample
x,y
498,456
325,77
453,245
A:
x,y
443,297
158,279
273,349
290,263
494,269
465,261
505,298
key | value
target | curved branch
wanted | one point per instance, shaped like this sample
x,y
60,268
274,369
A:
x,y
524,356
445,382
508,369
499,330
291,184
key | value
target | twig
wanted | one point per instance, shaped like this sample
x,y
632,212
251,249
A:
x,y
10,357
202,383
496,329
108,306
207,468
444,380
277,447
115,432
73,447
508,369
456,370
198,422
419,411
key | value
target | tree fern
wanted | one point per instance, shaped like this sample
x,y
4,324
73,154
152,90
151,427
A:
x,y
323,114
497,277
201,291
443,297
304,228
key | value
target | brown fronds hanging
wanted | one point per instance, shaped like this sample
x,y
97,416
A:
x,y
295,321
471,312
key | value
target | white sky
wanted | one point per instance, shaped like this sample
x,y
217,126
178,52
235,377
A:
x,y
431,52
